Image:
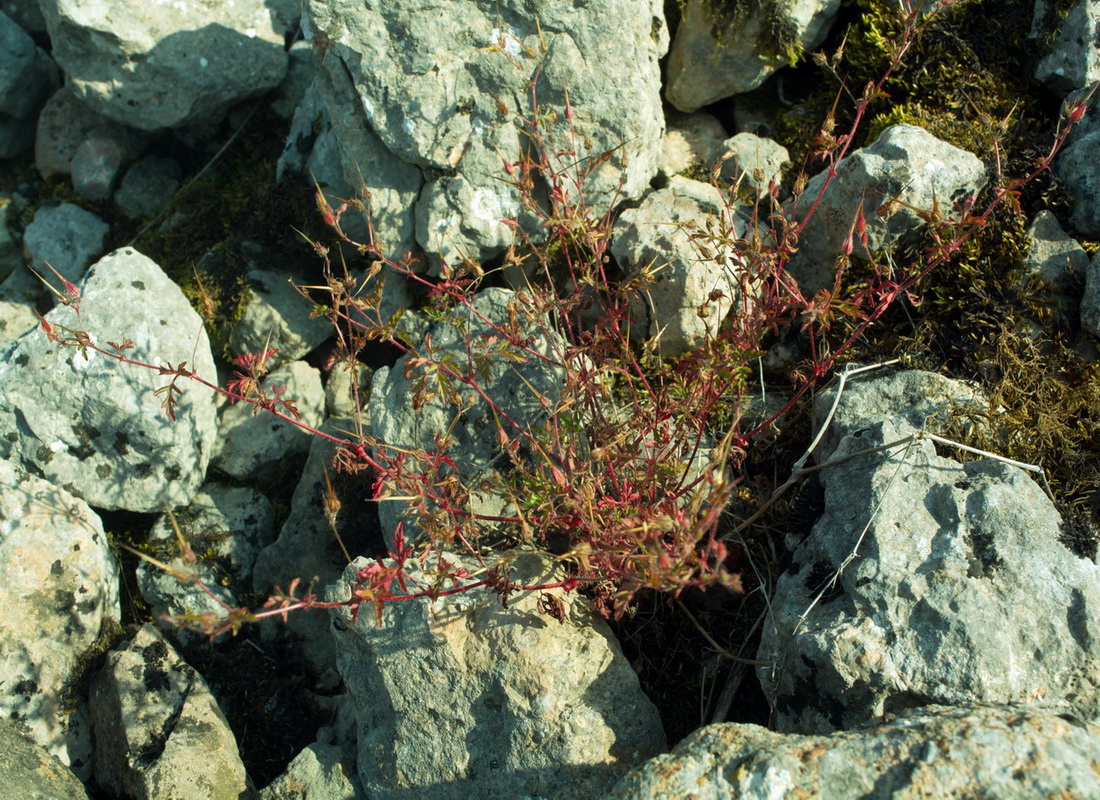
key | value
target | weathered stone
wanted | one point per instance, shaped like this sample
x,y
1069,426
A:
x,y
66,122
346,393
936,562
226,528
1059,261
67,237
1076,165
466,698
277,317
942,752
914,398
316,773
61,582
161,66
15,320
307,547
714,57
753,162
905,163
691,140
680,310
96,166
313,153
27,77
148,187
96,427
518,389
29,772
441,90
1074,61
252,441
159,731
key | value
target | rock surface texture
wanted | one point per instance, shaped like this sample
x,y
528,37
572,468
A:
x,y
519,389
905,163
96,427
928,631
942,752
723,50
159,731
61,582
29,772
935,561
691,293
160,66
464,72
529,706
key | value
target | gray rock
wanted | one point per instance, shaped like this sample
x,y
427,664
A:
x,y
753,162
95,427
316,773
290,93
1058,261
148,187
441,90
918,399
518,390
252,441
947,753
464,698
353,161
159,731
653,236
306,547
226,527
96,167
1076,165
68,237
930,609
29,772
61,583
1090,302
713,58
690,140
277,317
26,14
27,77
906,163
1074,62
161,66
312,153
15,319
66,122
346,393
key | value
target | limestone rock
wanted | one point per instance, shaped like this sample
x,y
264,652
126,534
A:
x,y
162,66
943,752
159,731
905,163
466,698
945,569
714,57
96,427
61,582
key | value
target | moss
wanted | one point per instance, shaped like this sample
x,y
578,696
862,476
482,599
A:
x,y
76,687
236,200
966,79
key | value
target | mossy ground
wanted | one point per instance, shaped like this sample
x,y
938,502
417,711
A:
x,y
967,81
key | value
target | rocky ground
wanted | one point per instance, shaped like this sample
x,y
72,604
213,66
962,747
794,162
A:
x,y
915,618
